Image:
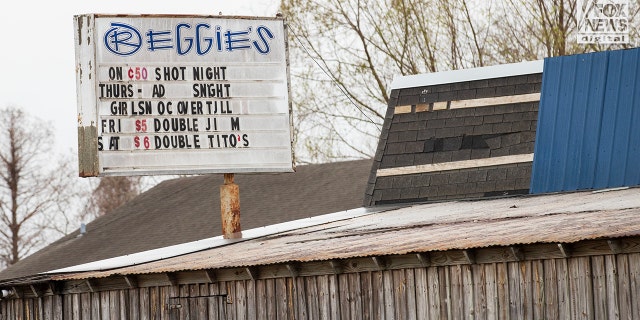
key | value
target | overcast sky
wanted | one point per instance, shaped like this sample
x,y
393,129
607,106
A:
x,y
37,53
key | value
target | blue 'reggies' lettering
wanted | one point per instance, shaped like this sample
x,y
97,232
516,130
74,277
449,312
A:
x,y
201,39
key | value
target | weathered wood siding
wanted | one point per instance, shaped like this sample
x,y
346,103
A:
x,y
591,287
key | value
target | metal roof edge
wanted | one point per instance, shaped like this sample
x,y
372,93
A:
x,y
218,241
471,74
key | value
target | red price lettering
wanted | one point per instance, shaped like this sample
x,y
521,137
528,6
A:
x,y
137,73
141,125
145,142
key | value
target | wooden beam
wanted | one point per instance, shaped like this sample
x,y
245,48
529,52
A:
x,y
211,275
36,292
336,266
131,281
16,293
517,253
380,262
293,269
54,287
90,285
424,259
494,101
171,277
564,250
253,272
615,245
468,254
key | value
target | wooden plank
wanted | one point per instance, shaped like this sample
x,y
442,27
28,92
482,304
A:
x,y
389,299
634,276
133,305
526,289
482,102
564,295
114,301
537,279
400,294
104,306
598,274
311,290
550,289
422,294
193,291
445,292
231,300
479,291
433,287
240,300
251,300
365,295
334,294
154,303
124,304
345,297
261,300
581,288
377,285
301,298
144,300
613,301
491,291
76,307
504,301
279,298
457,292
624,292
441,105
215,305
324,297
355,293
467,292
455,165
203,301
402,109
411,293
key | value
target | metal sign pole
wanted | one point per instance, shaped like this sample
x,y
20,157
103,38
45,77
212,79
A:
x,y
230,208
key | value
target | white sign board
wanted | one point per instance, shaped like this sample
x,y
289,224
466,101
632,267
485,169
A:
x,y
182,95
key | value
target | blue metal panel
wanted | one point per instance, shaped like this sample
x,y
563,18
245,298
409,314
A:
x,y
588,134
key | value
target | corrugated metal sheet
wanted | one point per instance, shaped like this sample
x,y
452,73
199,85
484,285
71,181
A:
x,y
554,218
588,134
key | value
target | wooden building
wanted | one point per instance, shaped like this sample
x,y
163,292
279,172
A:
x,y
449,230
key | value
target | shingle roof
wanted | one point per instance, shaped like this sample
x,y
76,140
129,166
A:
x,y
188,209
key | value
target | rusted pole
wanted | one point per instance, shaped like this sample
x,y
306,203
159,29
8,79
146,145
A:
x,y
230,208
